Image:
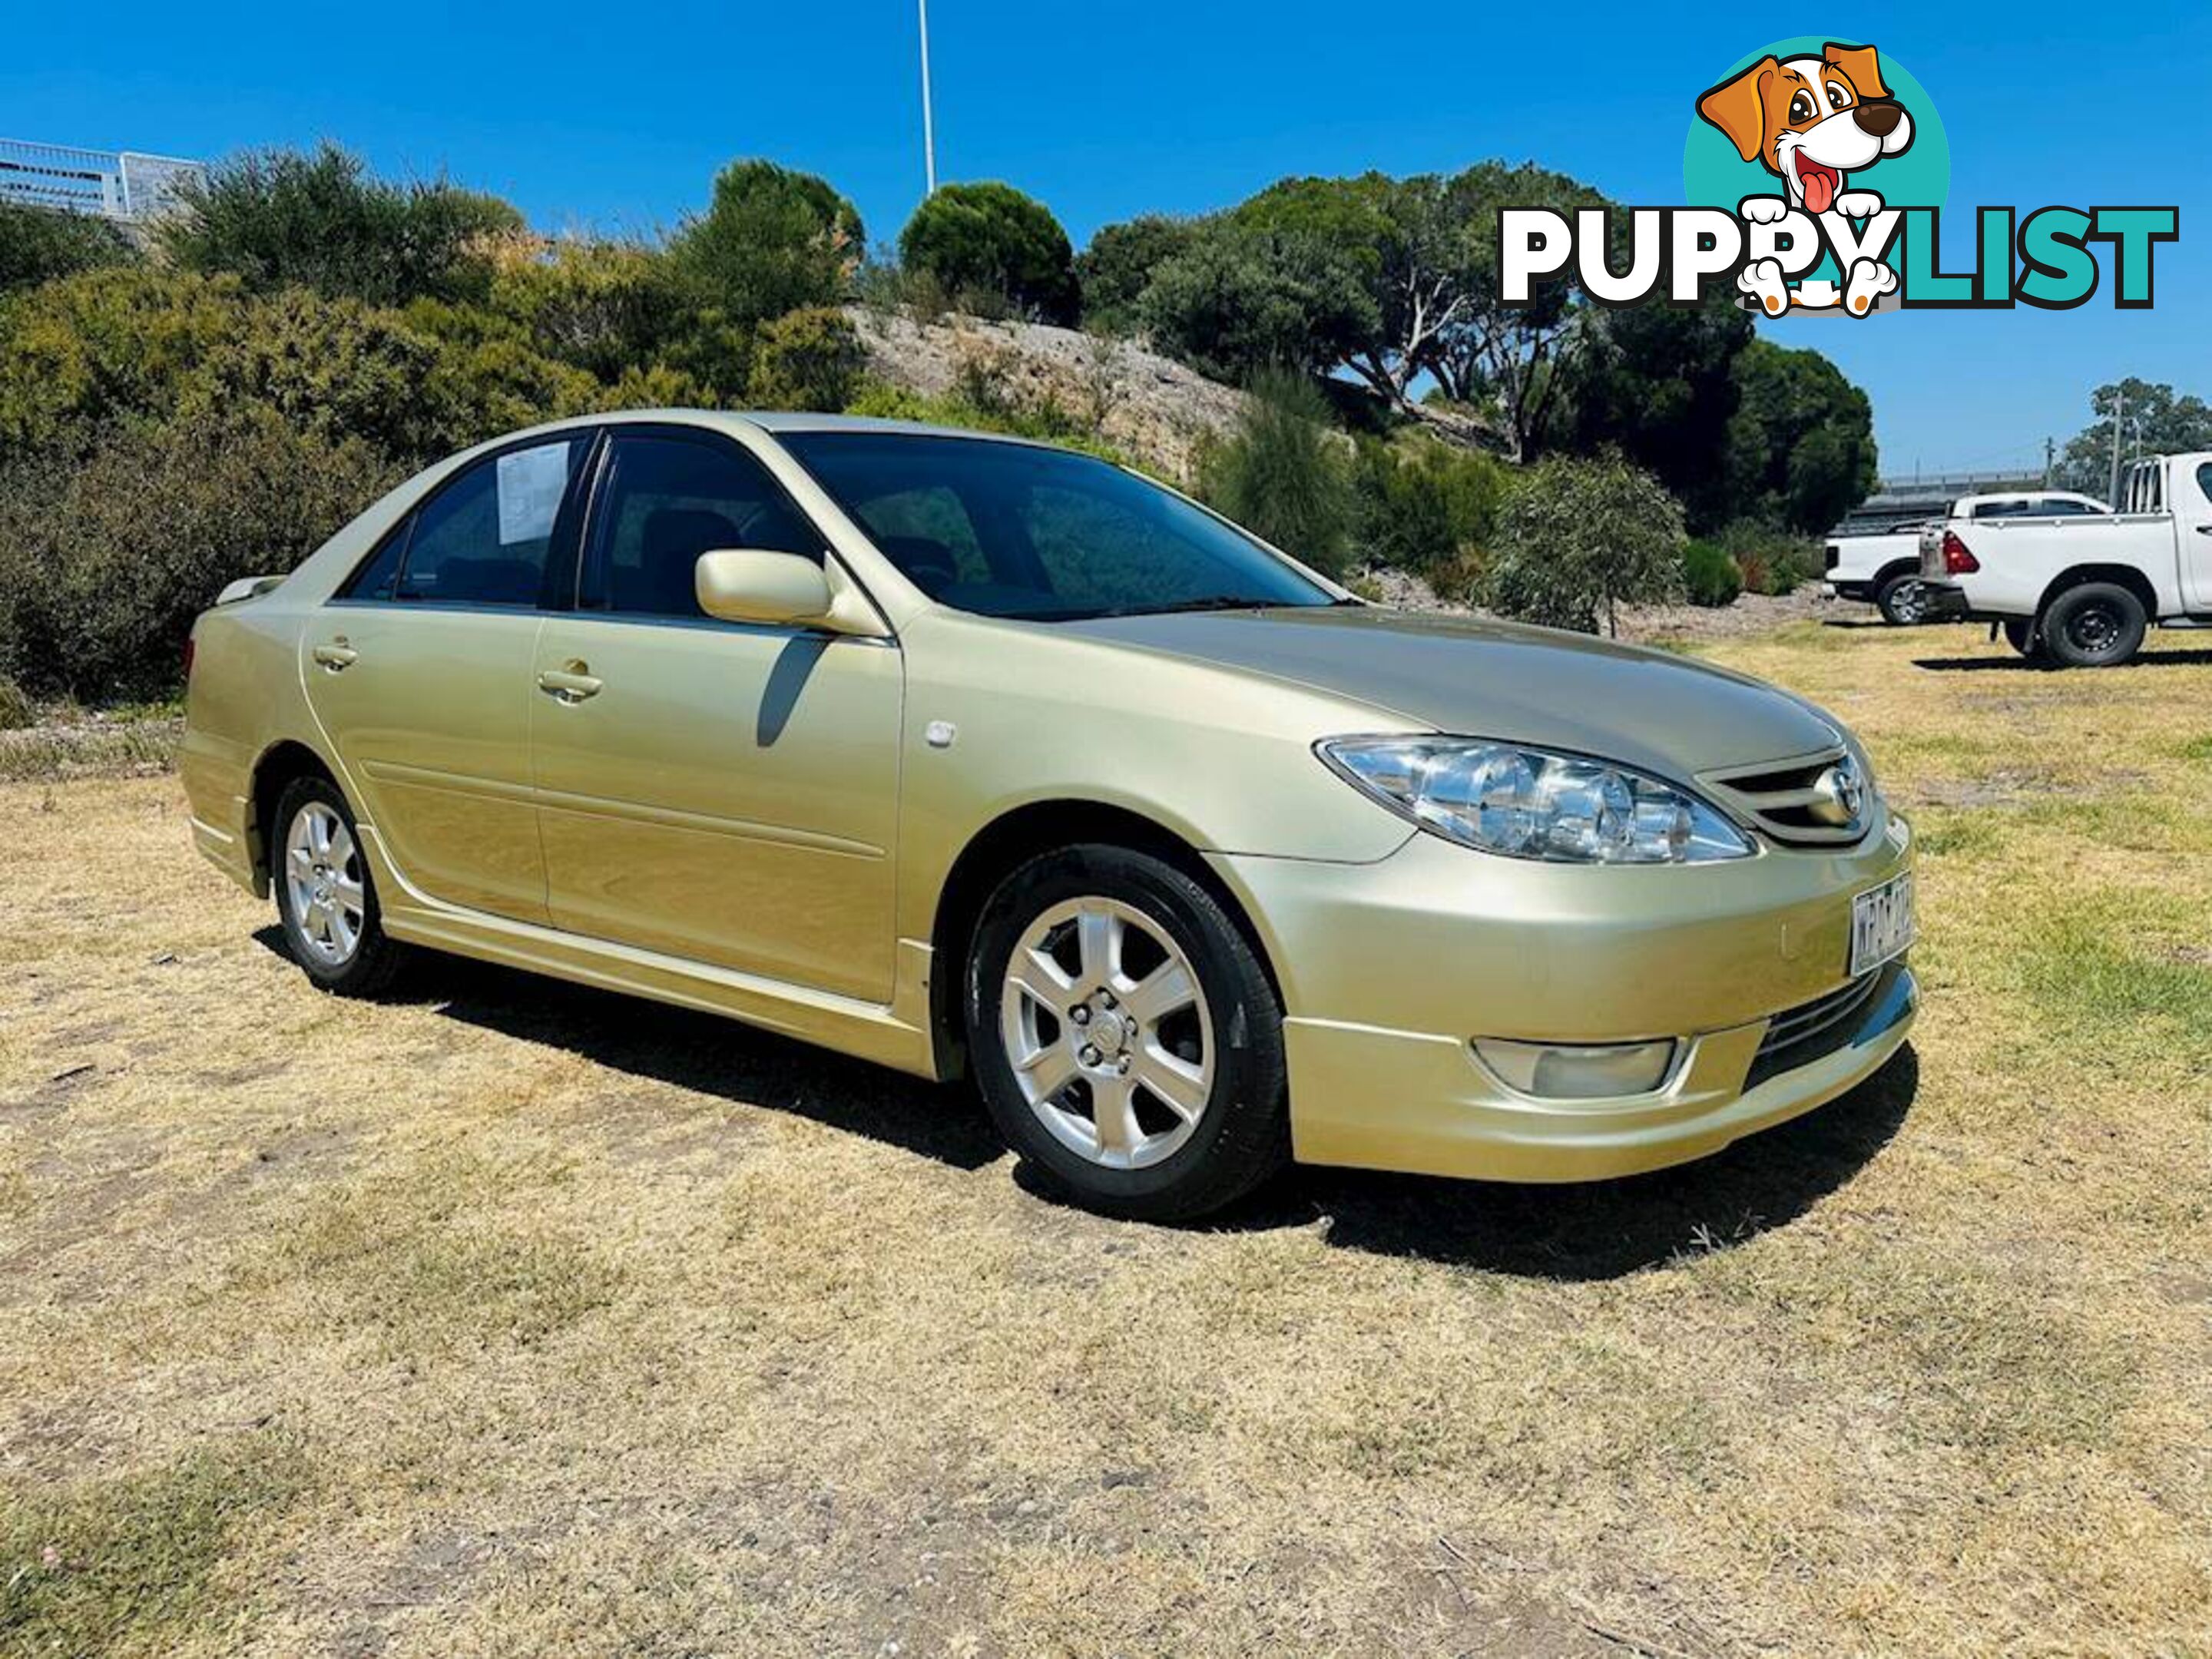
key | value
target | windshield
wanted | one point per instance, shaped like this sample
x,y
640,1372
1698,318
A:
x,y
1015,529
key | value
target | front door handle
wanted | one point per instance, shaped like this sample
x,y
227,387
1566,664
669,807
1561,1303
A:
x,y
337,656
2204,529
571,684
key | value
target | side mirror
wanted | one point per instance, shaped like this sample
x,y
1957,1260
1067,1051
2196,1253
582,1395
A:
x,y
750,585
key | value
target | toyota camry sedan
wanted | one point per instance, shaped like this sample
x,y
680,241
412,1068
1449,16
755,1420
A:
x,y
983,759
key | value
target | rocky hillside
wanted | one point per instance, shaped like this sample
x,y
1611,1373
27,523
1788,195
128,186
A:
x,y
1155,411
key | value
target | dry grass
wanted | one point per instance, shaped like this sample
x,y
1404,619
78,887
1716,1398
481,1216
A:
x,y
515,1318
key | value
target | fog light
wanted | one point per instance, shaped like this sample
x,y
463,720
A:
x,y
1566,1071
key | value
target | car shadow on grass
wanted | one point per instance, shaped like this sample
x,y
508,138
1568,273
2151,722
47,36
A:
x,y
1585,1231
2196,657
1607,1229
703,1053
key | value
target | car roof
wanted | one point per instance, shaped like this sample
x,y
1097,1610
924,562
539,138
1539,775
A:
x,y
2033,496
783,421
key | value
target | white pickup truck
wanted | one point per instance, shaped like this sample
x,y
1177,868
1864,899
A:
x,y
2079,591
1883,569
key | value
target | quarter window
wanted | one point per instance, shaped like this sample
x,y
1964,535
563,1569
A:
x,y
664,502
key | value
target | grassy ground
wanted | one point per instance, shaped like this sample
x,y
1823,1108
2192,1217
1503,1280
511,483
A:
x,y
514,1318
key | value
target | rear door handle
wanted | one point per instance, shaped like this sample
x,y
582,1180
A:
x,y
2204,529
337,656
570,684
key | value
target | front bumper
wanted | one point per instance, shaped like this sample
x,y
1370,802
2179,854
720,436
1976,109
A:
x,y
1391,970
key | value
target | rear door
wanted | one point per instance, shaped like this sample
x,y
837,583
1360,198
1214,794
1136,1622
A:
x,y
2193,527
420,675
720,792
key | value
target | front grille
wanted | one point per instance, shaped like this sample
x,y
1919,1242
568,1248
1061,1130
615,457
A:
x,y
1788,800
1798,1037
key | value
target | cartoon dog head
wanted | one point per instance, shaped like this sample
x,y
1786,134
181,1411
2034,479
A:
x,y
1811,119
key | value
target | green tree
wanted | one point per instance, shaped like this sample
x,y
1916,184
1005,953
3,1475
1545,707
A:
x,y
989,240
1660,383
1578,538
771,241
1113,271
1800,446
1510,358
1411,242
606,306
2157,422
1242,299
38,244
1283,475
1425,505
280,216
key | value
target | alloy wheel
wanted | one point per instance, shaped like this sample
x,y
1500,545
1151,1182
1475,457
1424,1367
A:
x,y
323,874
1108,1033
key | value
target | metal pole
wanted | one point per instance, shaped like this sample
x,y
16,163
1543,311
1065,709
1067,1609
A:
x,y
2119,408
928,127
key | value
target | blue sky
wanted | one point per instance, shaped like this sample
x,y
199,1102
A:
x,y
588,114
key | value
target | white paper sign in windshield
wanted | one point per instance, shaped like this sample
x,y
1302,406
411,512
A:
x,y
531,484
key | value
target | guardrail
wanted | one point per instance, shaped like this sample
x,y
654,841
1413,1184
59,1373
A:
x,y
126,185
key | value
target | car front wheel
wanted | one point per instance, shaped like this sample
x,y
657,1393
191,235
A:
x,y
1903,601
1125,1035
326,895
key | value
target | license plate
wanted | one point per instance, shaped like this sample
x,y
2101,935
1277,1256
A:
x,y
1882,924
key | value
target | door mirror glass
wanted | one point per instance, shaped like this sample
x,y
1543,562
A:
x,y
753,584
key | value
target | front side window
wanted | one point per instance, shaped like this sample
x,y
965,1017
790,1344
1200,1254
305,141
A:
x,y
666,500
1017,530
484,537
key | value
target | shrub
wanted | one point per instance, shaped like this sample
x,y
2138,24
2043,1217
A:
x,y
17,709
38,245
104,563
1283,475
87,348
1710,575
771,242
279,216
1425,505
809,359
607,307
1113,271
1773,562
989,242
1578,538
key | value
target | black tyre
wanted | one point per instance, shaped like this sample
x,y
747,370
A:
x,y
2096,625
326,895
1903,600
1125,1035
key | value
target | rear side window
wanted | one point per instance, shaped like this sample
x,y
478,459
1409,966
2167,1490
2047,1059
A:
x,y
2204,479
2058,506
2001,509
664,502
483,538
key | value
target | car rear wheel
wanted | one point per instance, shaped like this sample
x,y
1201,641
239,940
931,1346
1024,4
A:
x,y
1903,600
1126,1037
2096,625
326,895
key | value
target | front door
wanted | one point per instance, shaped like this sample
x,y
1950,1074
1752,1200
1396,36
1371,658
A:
x,y
420,675
717,792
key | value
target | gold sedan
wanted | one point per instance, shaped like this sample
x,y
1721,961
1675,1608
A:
x,y
973,757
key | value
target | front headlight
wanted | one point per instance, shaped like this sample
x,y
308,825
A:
x,y
1529,804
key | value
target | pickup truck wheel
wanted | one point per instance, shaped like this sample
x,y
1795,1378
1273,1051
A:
x,y
2096,625
1126,1038
1903,601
